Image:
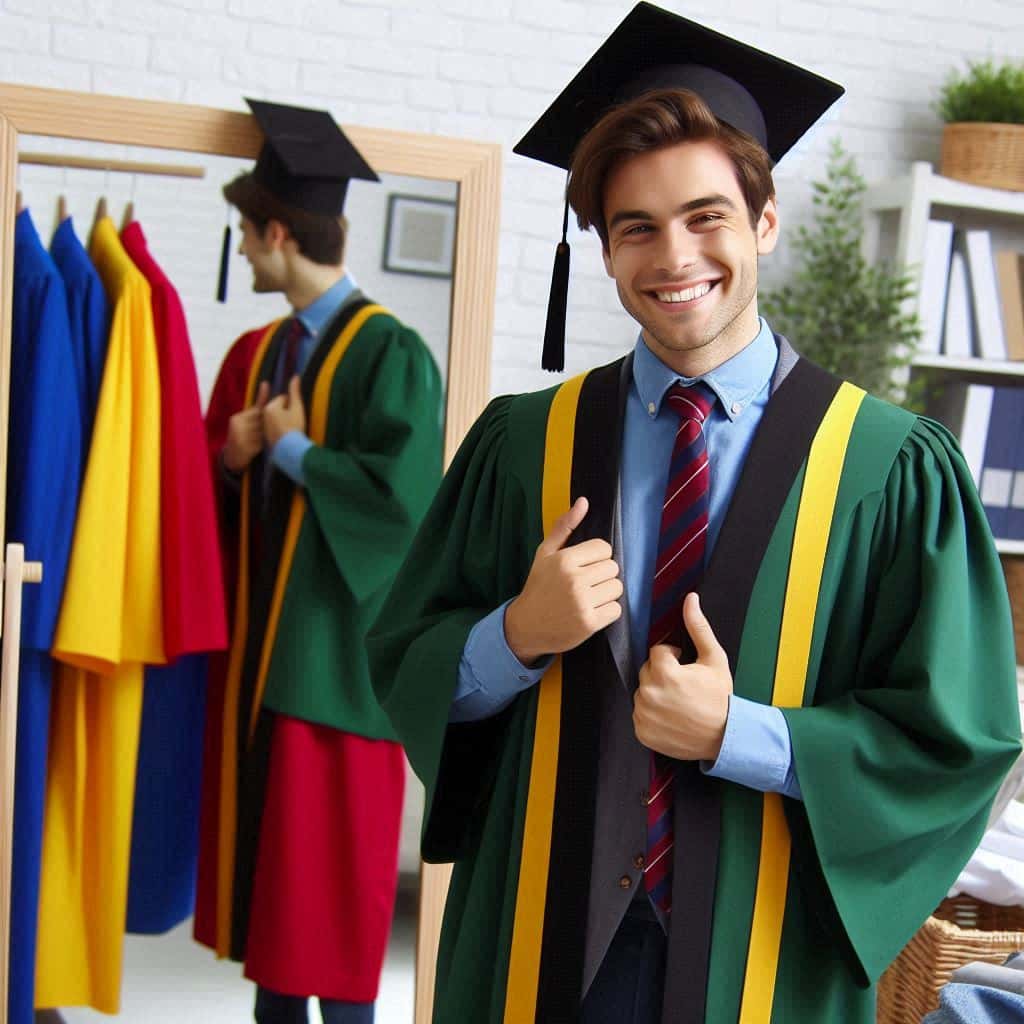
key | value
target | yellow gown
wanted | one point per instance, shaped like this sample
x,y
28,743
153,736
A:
x,y
110,626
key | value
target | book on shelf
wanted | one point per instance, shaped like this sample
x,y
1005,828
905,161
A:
x,y
958,331
988,323
1015,513
931,302
999,463
1010,280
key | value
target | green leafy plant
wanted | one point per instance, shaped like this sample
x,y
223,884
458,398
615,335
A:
x,y
985,93
840,311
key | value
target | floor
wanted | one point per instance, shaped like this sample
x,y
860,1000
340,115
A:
x,y
171,979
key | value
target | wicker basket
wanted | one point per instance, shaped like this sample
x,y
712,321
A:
x,y
984,154
962,930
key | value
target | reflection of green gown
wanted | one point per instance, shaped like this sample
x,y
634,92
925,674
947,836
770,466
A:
x,y
908,725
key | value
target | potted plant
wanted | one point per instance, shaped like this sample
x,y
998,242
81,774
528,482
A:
x,y
845,314
983,139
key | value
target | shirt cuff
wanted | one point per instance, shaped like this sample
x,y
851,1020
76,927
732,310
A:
x,y
490,675
756,750
288,453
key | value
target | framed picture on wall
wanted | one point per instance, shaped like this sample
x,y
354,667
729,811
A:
x,y
420,236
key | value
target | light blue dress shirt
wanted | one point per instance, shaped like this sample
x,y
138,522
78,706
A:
x,y
756,748
290,449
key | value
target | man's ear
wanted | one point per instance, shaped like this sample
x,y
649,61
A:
x,y
275,234
768,228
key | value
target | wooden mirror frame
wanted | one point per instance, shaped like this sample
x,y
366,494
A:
x,y
474,166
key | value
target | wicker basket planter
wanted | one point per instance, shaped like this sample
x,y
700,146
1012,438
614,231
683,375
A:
x,y
962,930
984,154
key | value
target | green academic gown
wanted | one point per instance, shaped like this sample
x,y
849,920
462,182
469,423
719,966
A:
x,y
854,584
314,564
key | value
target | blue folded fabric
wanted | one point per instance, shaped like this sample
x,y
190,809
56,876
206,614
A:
x,y
976,1004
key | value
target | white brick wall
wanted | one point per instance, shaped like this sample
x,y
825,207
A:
x,y
484,69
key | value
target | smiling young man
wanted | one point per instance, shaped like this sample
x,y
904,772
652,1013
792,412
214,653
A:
x,y
686,650
324,430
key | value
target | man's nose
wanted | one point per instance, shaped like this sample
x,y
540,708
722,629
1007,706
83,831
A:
x,y
677,250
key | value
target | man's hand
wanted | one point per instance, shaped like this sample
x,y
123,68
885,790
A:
x,y
245,433
284,413
570,594
680,710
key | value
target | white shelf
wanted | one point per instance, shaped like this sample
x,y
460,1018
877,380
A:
x,y
923,182
958,364
1010,547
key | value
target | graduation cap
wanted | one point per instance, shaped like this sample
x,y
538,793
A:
x,y
770,99
306,161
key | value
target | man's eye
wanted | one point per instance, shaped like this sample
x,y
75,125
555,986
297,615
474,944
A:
x,y
637,229
706,218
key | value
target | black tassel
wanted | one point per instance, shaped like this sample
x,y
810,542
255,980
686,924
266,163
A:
x,y
553,356
225,259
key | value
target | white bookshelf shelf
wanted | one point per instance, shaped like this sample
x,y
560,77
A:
x,y
1010,547
922,184
980,367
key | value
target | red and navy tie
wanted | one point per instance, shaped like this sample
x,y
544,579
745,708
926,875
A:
x,y
677,571
294,333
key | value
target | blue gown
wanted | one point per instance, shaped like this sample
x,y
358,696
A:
x,y
44,470
89,316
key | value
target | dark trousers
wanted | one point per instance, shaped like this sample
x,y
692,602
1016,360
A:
x,y
275,1008
629,983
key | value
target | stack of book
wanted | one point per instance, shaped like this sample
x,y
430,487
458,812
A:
x,y
971,301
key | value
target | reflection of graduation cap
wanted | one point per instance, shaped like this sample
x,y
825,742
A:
x,y
306,160
770,99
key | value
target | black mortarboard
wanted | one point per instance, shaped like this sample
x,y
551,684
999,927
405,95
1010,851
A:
x,y
768,98
306,160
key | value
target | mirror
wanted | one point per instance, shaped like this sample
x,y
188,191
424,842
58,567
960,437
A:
x,y
435,209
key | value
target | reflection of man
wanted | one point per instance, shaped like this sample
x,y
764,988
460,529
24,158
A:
x,y
325,427
643,832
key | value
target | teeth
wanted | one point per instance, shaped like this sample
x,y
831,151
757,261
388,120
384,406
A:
x,y
686,295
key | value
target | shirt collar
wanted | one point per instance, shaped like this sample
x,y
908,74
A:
x,y
736,382
315,316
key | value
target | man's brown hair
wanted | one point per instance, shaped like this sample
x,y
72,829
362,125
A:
x,y
659,118
320,237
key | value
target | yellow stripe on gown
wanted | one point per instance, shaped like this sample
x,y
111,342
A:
x,y
110,626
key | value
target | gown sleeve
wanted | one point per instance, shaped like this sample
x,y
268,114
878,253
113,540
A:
x,y
369,496
899,772
466,559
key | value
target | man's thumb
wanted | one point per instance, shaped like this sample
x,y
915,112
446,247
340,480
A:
x,y
709,650
562,527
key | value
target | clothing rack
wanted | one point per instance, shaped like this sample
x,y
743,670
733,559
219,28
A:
x,y
104,164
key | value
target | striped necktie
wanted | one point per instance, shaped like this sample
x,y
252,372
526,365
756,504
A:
x,y
294,333
677,571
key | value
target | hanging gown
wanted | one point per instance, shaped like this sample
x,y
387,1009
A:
x,y
89,316
165,824
110,625
44,446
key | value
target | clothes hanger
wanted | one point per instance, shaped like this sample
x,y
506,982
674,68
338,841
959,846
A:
x,y
19,206
129,210
62,209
